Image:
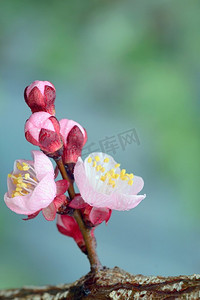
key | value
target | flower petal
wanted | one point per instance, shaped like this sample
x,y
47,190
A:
x,y
32,216
43,194
42,165
19,204
61,186
65,127
124,201
59,200
98,215
77,202
138,184
49,212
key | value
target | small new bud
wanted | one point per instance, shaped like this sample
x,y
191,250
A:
x,y
40,96
43,130
74,138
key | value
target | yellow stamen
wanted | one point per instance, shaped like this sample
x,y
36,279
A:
x,y
123,172
112,172
97,158
117,166
116,176
25,166
130,175
27,176
89,160
103,169
19,167
130,182
94,164
22,184
111,182
103,178
98,168
108,175
106,160
15,194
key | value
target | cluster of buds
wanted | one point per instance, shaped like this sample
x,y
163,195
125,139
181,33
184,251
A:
x,y
65,138
32,187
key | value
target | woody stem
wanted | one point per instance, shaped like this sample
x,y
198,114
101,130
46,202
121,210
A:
x,y
86,232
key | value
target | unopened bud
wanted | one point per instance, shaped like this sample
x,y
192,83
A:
x,y
43,130
40,96
74,138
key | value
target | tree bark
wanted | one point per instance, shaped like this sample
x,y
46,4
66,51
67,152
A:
x,y
113,284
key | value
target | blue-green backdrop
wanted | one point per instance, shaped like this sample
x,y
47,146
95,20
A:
x,y
117,66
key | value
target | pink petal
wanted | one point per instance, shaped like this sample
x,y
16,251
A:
x,y
32,216
61,186
40,85
42,164
138,184
19,204
98,215
77,202
65,127
59,200
124,201
32,137
49,212
41,197
43,194
36,122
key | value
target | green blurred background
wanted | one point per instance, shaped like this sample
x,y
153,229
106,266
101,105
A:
x,y
116,65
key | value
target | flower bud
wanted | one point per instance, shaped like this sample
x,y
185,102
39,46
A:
x,y
43,130
40,96
68,226
74,138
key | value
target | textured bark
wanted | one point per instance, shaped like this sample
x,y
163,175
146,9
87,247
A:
x,y
114,284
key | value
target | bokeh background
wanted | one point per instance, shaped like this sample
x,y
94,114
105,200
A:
x,y
117,66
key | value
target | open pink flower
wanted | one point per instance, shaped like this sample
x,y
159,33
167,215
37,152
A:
x,y
74,138
43,130
32,188
102,183
40,96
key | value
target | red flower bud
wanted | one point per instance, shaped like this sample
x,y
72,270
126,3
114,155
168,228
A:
x,y
43,130
40,96
68,226
74,138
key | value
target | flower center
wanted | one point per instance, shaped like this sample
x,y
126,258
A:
x,y
113,177
24,182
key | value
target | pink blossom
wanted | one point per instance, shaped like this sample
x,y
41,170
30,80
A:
x,y
43,130
40,96
74,138
32,188
102,183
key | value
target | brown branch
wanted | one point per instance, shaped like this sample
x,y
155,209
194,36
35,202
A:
x,y
114,284
86,232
